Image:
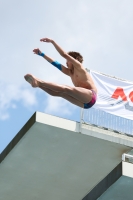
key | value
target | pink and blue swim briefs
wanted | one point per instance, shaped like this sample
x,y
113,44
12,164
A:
x,y
92,102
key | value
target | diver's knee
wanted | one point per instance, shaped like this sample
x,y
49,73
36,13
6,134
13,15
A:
x,y
67,89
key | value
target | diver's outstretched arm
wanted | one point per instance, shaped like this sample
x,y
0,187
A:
x,y
53,62
64,54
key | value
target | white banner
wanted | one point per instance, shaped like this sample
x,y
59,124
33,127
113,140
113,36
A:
x,y
115,96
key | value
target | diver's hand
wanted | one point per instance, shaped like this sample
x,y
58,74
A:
x,y
46,40
37,51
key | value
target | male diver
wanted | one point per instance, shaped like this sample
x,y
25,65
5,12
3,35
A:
x,y
84,92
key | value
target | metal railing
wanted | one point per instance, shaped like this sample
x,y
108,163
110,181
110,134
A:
x,y
107,121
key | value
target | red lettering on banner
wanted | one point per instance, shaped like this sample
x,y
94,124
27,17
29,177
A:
x,y
119,92
131,96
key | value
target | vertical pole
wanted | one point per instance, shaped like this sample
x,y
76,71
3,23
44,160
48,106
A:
x,y
81,119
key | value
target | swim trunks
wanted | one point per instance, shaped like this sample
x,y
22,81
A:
x,y
92,102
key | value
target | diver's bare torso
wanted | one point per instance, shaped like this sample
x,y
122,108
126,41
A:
x,y
81,78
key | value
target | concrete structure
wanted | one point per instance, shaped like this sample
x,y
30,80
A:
x,y
120,190
55,158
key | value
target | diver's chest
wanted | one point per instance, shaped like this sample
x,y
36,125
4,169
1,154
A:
x,y
75,76
76,79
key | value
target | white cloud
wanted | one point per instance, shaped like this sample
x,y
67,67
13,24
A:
x,y
4,116
28,97
57,105
10,93
14,106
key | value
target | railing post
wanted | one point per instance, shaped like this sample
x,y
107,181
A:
x,y
81,119
124,156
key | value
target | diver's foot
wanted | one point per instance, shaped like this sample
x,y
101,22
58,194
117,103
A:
x,y
32,80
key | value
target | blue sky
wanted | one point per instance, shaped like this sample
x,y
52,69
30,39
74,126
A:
x,y
100,30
